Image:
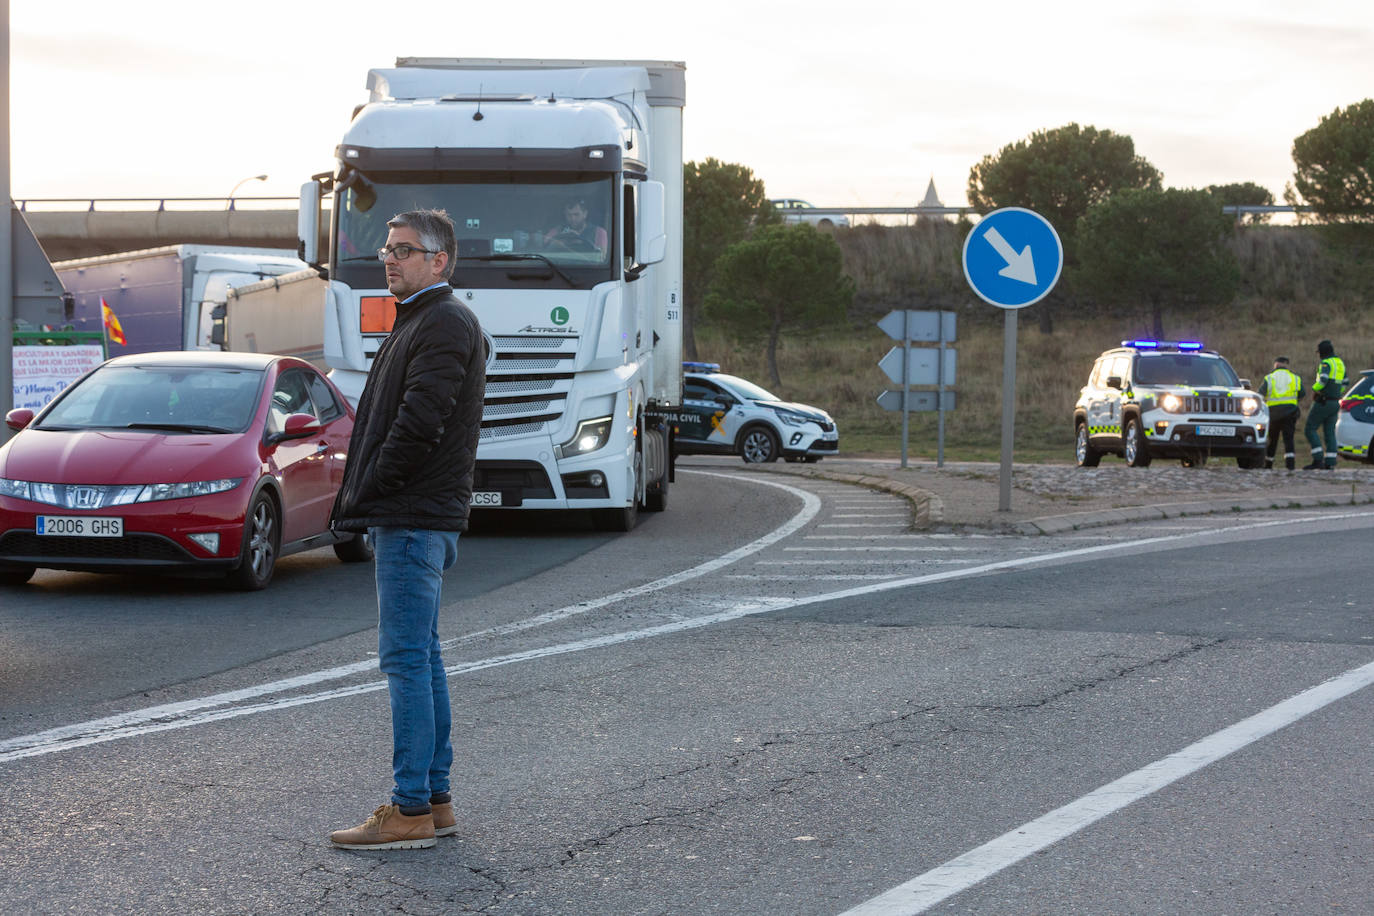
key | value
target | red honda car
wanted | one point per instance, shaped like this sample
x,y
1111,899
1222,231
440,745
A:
x,y
198,460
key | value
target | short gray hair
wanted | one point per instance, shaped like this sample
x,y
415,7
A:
x,y
435,230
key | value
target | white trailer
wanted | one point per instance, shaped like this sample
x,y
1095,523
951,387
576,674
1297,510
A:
x,y
281,314
584,328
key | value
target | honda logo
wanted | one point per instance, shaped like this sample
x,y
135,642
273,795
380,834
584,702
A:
x,y
84,497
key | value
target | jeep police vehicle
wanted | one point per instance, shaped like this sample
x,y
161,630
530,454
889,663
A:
x,y
1168,399
725,415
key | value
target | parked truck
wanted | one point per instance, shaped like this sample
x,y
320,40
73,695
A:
x,y
173,298
564,182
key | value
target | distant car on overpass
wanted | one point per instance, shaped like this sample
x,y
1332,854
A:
x,y
793,210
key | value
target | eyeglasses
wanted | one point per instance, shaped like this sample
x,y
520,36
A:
x,y
401,251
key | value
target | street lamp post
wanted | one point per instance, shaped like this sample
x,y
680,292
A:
x,y
230,204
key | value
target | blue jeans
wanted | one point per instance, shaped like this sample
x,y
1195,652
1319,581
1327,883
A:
x,y
410,573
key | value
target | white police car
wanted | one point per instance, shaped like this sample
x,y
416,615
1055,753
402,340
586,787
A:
x,y
1355,422
1175,399
725,415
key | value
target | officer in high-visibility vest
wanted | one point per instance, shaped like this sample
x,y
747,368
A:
x,y
1326,403
1282,389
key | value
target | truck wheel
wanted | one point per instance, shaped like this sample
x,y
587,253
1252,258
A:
x,y
261,540
1136,449
16,575
656,495
1084,454
759,445
354,550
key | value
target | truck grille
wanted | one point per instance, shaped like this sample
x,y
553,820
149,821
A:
x,y
528,380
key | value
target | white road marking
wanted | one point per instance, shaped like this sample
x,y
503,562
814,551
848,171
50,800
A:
x,y
960,873
198,711
838,577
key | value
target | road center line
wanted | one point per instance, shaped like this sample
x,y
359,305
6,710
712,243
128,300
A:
x,y
960,873
199,711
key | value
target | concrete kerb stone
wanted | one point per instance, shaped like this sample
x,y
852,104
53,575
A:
x,y
1057,524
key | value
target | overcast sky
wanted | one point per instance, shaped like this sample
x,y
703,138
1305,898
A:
x,y
842,102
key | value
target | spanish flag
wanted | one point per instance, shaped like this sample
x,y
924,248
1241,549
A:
x,y
112,328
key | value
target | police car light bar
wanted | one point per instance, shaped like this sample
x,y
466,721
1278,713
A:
x,y
1146,344
701,367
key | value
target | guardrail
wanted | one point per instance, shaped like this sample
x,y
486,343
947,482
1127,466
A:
x,y
90,202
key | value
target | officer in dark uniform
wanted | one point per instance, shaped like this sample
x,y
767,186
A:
x,y
1282,390
1326,403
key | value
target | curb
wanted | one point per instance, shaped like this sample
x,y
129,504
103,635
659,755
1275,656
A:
x,y
929,509
1057,524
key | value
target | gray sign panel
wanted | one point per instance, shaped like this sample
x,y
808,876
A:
x,y
923,369
920,327
917,401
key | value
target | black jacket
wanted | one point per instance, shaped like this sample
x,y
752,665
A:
x,y
414,443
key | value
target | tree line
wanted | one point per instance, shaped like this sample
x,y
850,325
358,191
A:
x,y
1128,239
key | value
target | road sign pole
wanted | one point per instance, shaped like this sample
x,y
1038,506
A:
x,y
940,401
906,377
1008,407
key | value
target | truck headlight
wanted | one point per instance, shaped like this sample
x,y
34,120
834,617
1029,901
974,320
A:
x,y
590,436
1249,406
1172,403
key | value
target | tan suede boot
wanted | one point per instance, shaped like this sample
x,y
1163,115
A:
x,y
445,824
387,828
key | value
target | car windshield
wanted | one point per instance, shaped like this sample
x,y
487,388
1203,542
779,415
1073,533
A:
x,y
189,399
515,229
751,391
1190,369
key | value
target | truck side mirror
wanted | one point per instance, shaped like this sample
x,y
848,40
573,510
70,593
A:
x,y
651,244
308,224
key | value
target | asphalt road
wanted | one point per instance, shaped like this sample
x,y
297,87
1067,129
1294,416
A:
x,y
773,698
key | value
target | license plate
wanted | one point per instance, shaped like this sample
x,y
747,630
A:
x,y
1216,431
82,526
486,498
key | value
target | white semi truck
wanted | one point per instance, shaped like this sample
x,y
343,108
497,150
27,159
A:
x,y
564,182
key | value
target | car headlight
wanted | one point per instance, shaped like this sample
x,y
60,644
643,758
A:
x,y
590,436
54,494
1249,406
792,419
1172,403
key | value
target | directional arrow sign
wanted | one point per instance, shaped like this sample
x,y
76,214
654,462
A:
x,y
1012,258
917,401
923,369
922,327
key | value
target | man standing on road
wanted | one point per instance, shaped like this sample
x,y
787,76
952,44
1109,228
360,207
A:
x,y
408,483
1282,389
1326,403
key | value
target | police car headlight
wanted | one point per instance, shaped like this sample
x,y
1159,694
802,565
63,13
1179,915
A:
x,y
792,419
1172,403
1249,406
590,436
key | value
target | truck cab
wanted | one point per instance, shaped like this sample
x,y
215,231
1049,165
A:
x,y
564,183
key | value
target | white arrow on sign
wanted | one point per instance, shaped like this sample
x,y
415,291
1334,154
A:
x,y
1019,266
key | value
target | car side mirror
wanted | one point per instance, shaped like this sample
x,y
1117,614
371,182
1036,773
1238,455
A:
x,y
298,426
1245,383
1114,381
18,418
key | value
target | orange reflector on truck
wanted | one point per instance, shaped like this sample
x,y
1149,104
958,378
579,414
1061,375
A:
x,y
378,314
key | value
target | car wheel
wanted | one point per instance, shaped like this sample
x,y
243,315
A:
x,y
1193,461
812,459
1136,449
16,575
261,540
1369,455
759,445
354,550
1084,454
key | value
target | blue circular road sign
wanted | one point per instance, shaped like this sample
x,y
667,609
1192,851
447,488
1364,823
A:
x,y
1013,257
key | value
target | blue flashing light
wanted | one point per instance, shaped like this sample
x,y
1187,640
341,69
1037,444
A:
x,y
1141,344
1190,345
700,367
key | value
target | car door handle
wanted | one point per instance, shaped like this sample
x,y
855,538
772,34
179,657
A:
x,y
321,447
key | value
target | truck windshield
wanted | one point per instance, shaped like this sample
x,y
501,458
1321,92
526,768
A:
x,y
515,229
1191,369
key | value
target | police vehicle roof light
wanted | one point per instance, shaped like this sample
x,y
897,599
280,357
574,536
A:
x,y
1190,345
1141,344
701,367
